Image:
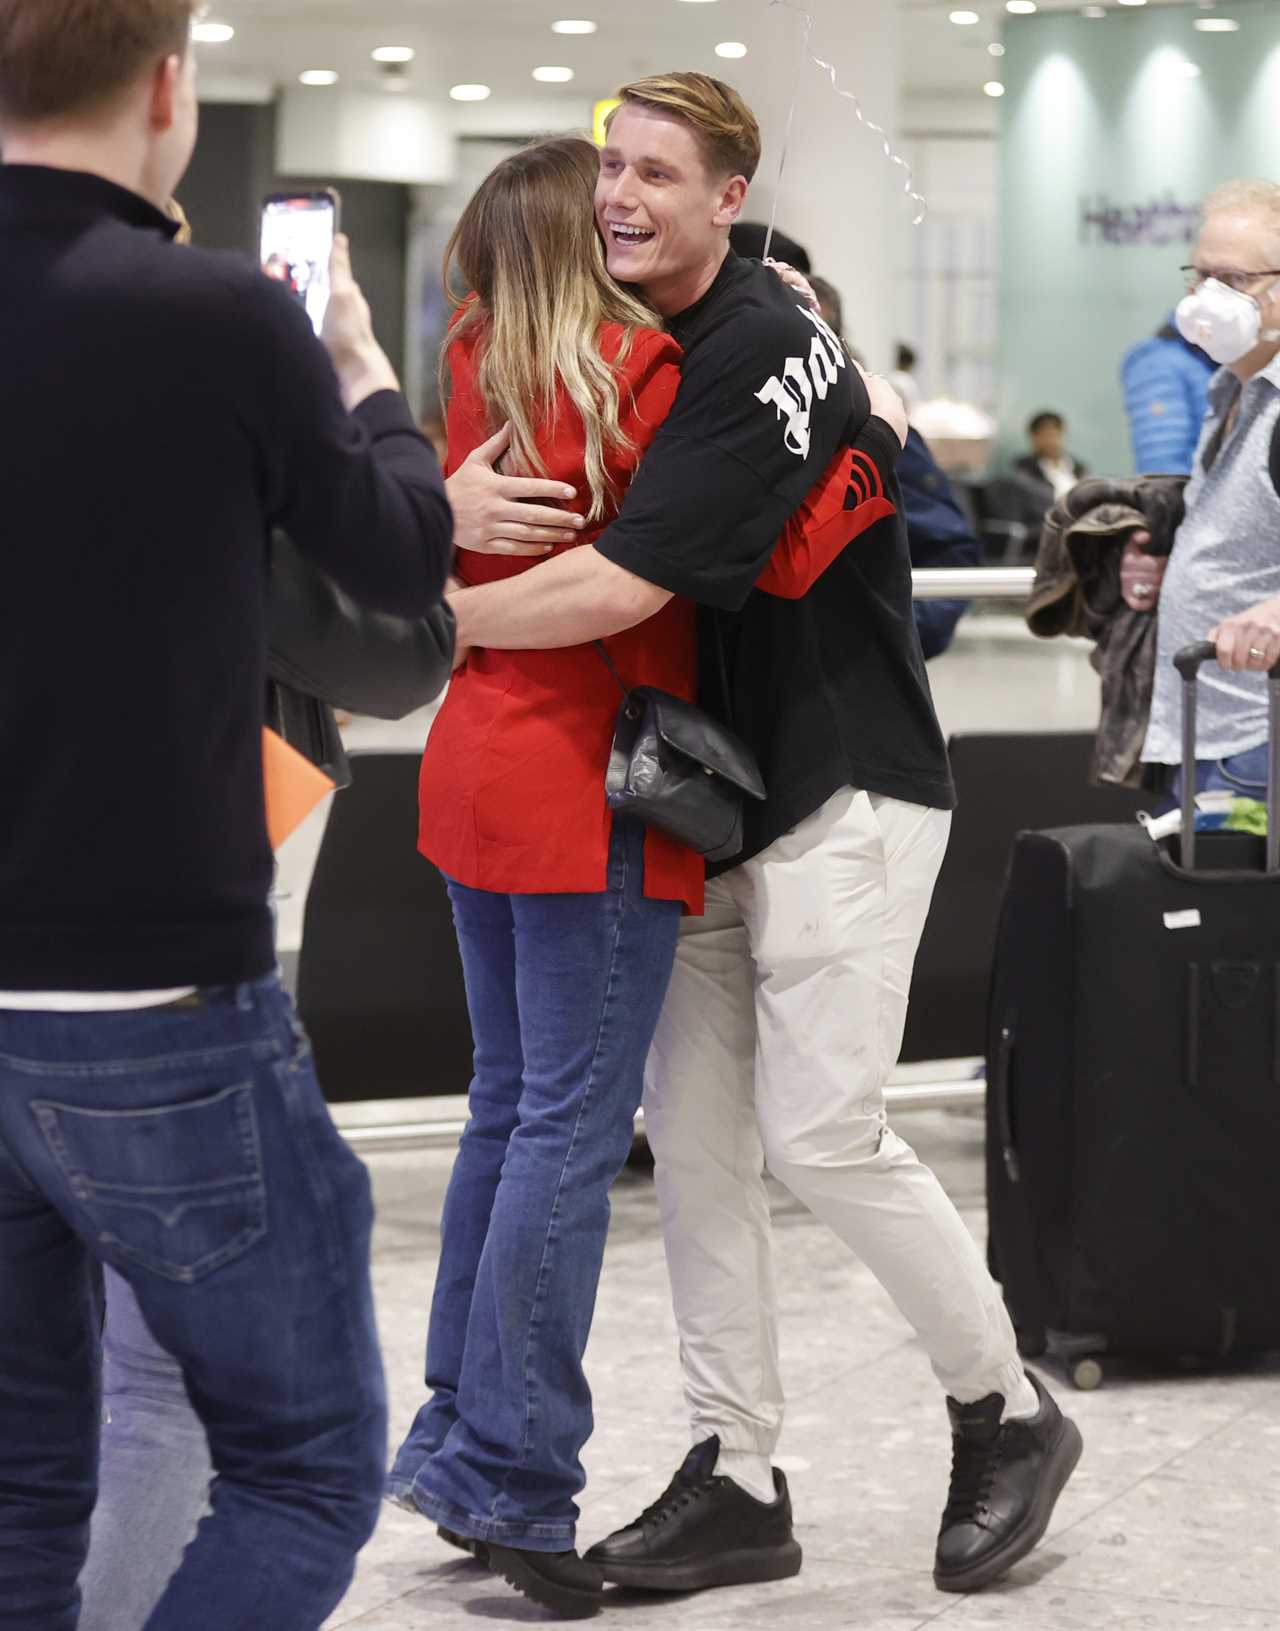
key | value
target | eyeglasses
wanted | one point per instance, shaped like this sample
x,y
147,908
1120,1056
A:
x,y
1241,282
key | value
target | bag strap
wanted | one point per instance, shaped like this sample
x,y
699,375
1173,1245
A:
x,y
723,665
612,667
1275,458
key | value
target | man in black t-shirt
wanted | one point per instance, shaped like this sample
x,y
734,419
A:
x,y
787,1004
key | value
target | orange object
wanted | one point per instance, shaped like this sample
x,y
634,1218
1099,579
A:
x,y
294,786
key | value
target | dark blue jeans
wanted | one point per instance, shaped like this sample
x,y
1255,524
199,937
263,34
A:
x,y
189,1148
564,993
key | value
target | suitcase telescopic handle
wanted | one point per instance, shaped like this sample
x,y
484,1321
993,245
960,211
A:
x,y
1188,662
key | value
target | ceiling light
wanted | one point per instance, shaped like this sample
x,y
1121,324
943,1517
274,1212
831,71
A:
x,y
394,53
470,93
573,25
1133,2
553,76
995,49
965,19
731,48
1093,11
993,87
1216,25
318,76
1021,8
212,33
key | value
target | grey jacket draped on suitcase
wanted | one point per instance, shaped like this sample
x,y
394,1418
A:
x,y
1077,592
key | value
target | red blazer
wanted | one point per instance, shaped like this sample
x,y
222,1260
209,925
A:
x,y
511,793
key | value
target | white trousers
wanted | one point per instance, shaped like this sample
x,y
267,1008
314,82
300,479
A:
x,y
782,1024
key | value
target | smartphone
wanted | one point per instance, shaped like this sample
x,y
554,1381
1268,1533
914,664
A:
x,y
297,233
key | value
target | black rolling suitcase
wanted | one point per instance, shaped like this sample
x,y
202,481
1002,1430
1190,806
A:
x,y
1133,1102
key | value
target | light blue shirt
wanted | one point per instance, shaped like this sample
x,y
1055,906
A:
x,y
1226,558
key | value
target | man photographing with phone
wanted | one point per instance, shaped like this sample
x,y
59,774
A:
x,y
158,1105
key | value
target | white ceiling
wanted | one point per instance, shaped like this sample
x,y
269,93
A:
x,y
500,42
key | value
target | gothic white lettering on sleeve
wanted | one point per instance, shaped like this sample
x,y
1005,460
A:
x,y
791,394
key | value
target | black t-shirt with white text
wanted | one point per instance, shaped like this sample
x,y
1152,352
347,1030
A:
x,y
828,691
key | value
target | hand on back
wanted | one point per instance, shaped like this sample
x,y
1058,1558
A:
x,y
502,515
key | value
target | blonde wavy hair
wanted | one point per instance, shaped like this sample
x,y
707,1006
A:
x,y
528,248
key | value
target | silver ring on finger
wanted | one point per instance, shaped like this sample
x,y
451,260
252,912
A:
x,y
1260,655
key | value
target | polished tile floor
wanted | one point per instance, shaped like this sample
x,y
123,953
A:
x,y
1172,1522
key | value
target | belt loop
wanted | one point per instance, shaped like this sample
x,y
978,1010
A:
x,y
244,997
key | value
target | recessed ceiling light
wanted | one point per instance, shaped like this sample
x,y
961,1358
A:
x,y
993,87
1216,25
1093,11
470,93
995,49
1021,8
964,19
573,25
318,76
553,76
394,53
731,49
212,33
1133,2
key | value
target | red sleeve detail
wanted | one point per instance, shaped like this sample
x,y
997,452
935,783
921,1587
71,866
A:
x,y
822,527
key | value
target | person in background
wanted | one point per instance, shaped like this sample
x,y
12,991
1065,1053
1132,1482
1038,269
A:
x,y
159,1109
748,239
903,378
1049,465
1166,395
938,531
1221,581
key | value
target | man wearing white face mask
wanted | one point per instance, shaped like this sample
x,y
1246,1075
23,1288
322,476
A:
x,y
1222,580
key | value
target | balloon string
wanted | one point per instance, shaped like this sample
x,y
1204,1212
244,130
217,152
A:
x,y
806,31
909,186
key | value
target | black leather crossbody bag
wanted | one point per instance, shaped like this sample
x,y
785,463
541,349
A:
x,y
676,768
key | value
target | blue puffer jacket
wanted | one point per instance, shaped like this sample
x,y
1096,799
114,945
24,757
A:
x,y
1166,395
938,534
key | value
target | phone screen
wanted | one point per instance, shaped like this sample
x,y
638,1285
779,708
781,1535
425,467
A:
x,y
297,238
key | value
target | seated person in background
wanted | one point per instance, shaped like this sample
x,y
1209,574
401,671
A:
x,y
1222,579
1166,396
903,378
938,531
1049,464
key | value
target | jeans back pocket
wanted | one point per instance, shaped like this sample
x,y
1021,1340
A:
x,y
178,1189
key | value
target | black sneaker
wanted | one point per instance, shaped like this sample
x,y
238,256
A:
x,y
1005,1481
478,1549
559,1581
704,1531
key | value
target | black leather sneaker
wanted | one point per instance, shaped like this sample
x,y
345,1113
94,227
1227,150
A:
x,y
478,1549
1005,1481
559,1581
704,1531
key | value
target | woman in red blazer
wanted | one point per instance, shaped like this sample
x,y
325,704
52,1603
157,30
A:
x,y
566,919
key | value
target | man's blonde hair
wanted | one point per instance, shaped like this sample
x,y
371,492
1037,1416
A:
x,y
724,125
1257,198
